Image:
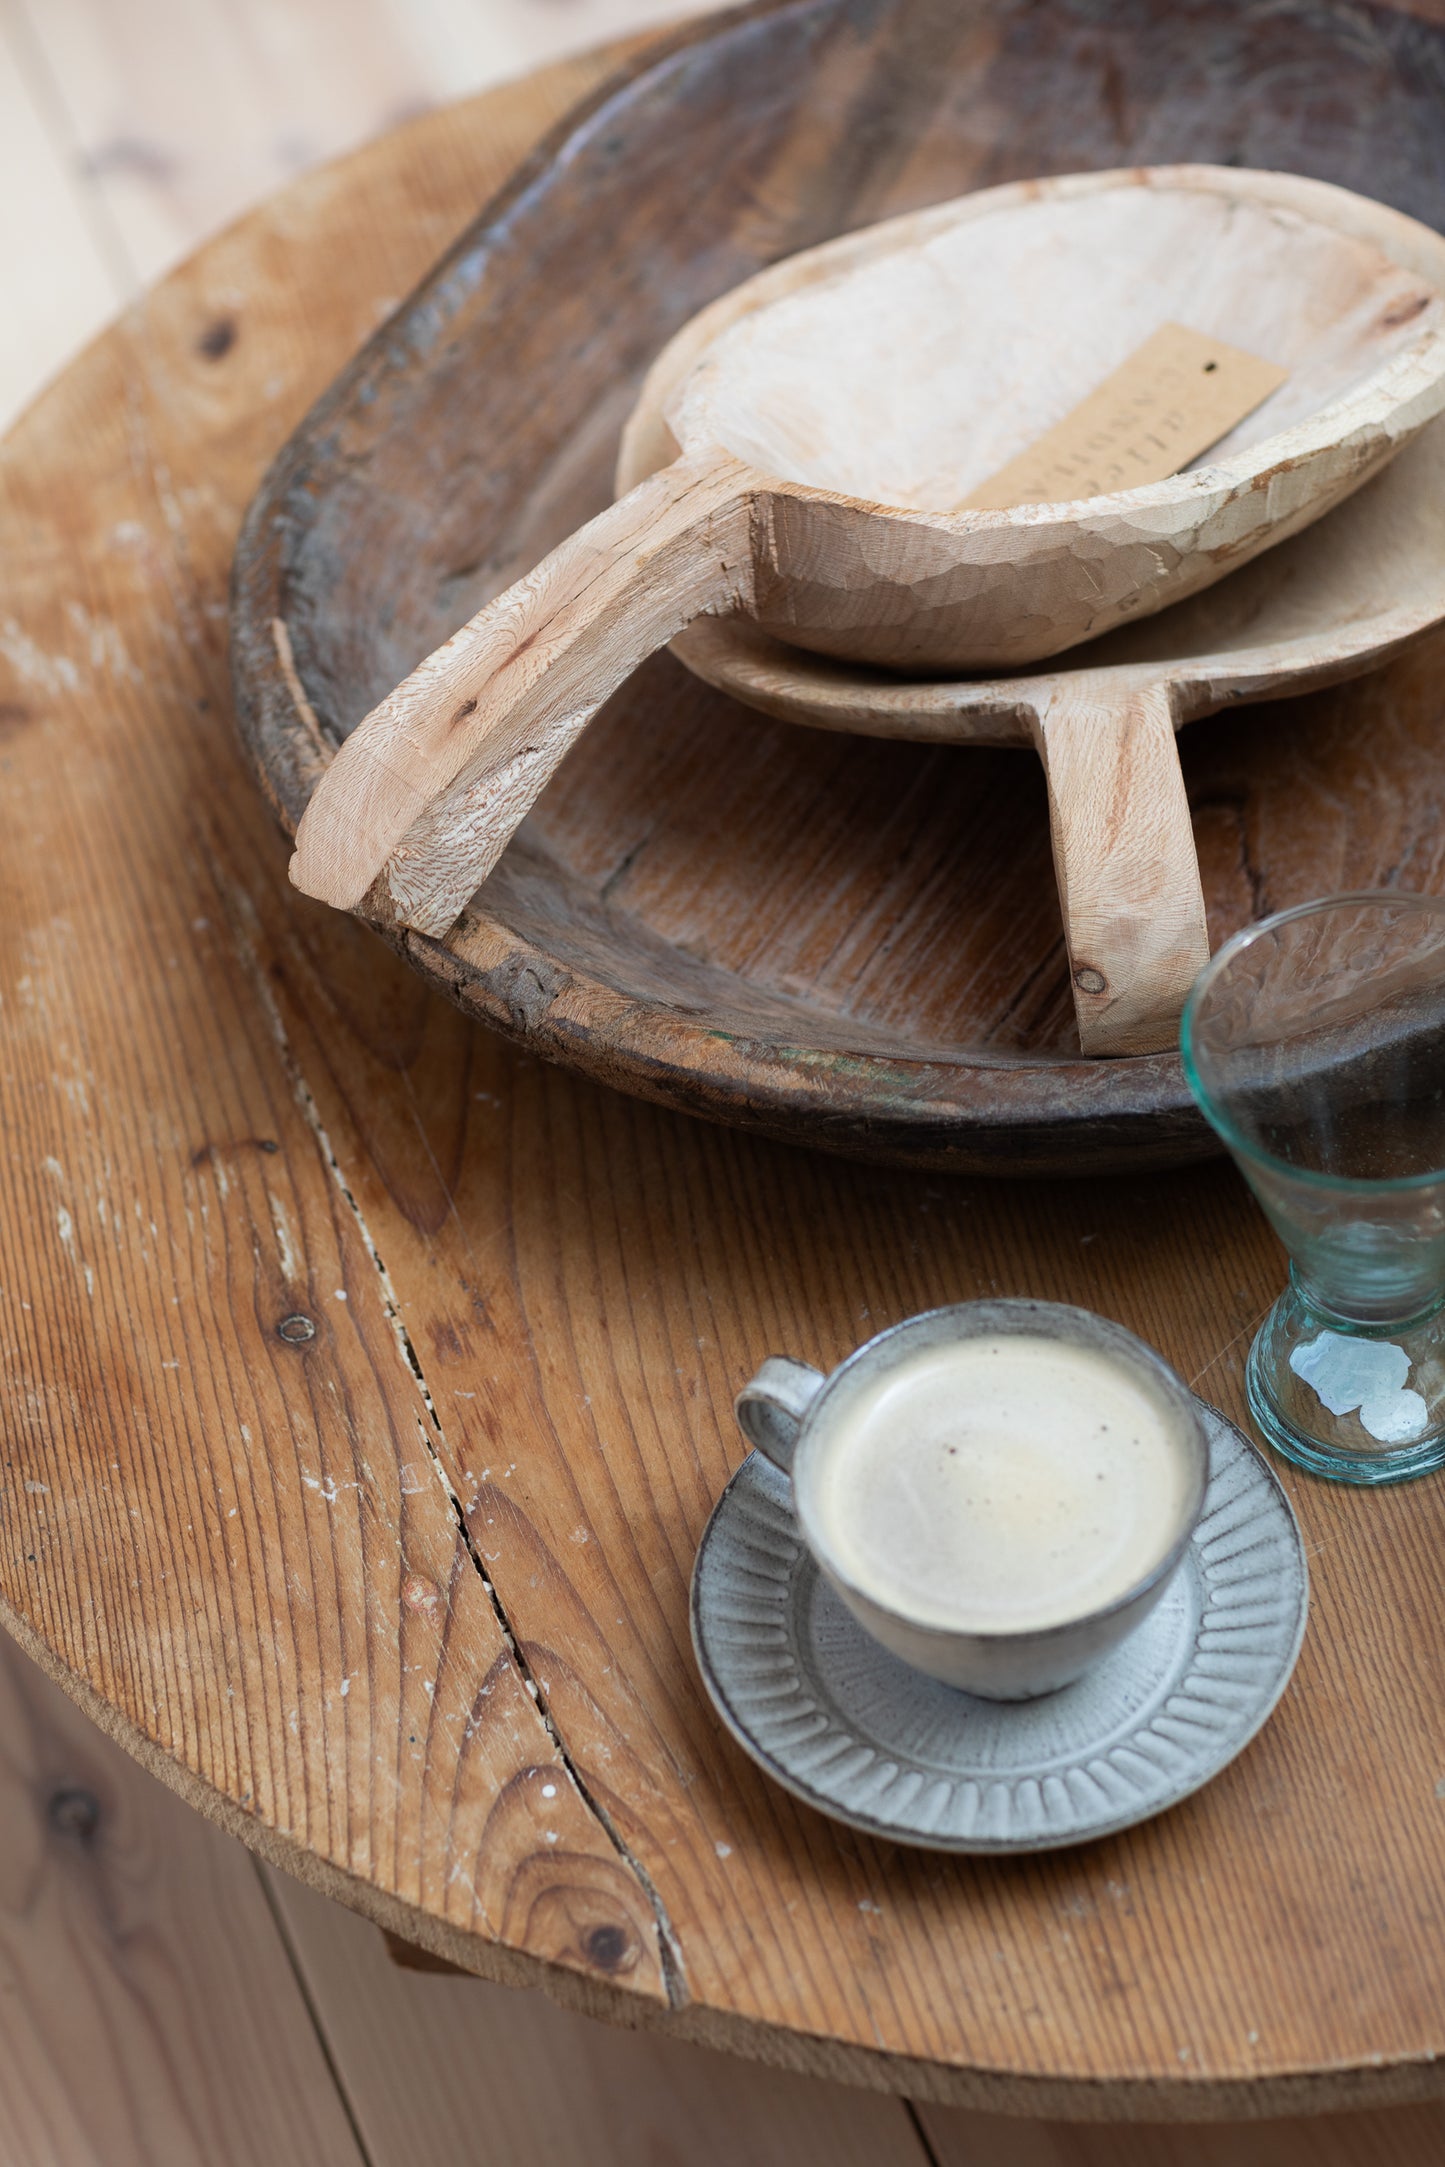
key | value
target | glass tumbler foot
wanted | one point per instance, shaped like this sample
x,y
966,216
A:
x,y
1355,1403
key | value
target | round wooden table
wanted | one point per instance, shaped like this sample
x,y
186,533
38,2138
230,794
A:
x,y
367,1383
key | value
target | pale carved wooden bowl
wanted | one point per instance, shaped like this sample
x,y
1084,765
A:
x,y
895,370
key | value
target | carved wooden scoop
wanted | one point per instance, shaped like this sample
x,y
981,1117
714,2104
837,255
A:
x,y
822,417
1348,596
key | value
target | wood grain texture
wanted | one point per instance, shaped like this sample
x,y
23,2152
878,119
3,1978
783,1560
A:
x,y
282,1599
493,2074
582,1280
1134,917
59,285
858,946
149,2016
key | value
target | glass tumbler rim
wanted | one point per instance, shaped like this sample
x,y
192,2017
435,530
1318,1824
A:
x,y
1397,898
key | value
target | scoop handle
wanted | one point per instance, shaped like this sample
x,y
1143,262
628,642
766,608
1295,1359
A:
x,y
1124,856
424,796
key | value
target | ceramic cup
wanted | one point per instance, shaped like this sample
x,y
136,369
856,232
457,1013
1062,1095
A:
x,y
795,1415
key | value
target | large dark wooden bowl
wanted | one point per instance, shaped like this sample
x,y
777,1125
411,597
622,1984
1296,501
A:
x,y
845,942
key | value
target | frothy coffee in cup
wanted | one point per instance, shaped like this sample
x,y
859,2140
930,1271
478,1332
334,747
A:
x,y
1004,1483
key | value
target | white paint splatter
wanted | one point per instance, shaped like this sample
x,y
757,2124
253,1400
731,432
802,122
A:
x,y
284,1245
329,1490
65,1225
106,649
51,673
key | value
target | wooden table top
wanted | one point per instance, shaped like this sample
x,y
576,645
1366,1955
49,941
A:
x,y
367,1383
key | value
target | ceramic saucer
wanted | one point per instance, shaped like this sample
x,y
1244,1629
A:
x,y
840,1722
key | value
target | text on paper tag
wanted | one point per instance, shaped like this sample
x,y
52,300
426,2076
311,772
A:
x,y
1176,395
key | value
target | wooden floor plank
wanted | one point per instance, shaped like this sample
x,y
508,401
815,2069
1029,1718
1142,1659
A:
x,y
188,111
149,2015
453,2068
57,286
1390,2137
465,45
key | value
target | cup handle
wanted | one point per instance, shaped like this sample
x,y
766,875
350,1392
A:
x,y
771,1406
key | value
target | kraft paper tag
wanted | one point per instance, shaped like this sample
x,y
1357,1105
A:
x,y
1176,395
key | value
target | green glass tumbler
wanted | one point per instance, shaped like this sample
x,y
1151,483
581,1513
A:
x,y
1315,1045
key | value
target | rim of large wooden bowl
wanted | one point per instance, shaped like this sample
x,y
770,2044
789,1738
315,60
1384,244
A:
x,y
980,1110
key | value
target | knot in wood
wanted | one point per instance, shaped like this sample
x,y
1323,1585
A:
x,y
1088,980
75,1812
216,341
296,1329
609,1948
419,1593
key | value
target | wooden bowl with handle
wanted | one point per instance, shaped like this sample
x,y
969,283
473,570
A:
x,y
898,369
822,420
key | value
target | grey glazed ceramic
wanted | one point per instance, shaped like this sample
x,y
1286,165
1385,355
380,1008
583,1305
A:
x,y
841,1723
789,1411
